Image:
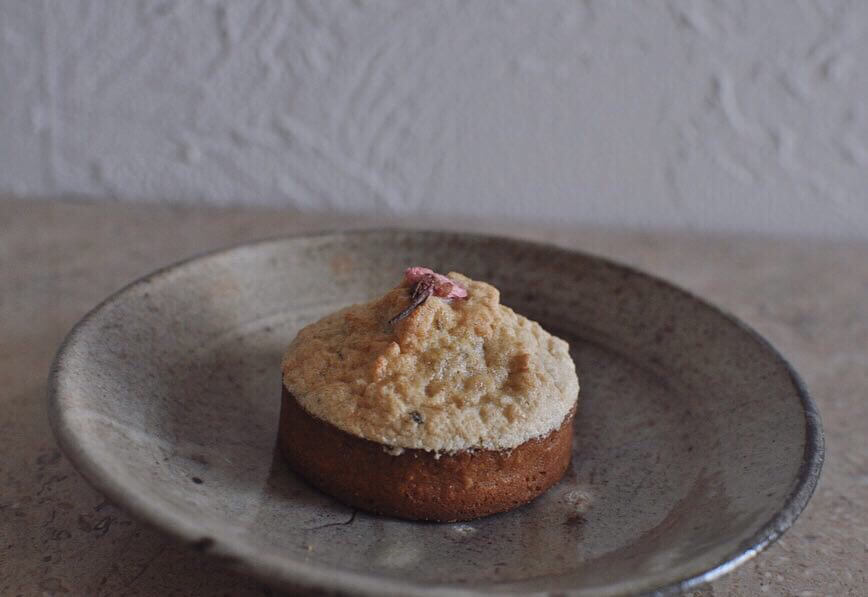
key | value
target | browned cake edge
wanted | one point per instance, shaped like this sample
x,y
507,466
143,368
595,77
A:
x,y
416,484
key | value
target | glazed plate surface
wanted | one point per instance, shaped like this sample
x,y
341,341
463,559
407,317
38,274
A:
x,y
696,445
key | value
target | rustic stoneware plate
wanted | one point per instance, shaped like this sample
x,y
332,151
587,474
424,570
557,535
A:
x,y
696,444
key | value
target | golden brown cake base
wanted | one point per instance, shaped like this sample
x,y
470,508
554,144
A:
x,y
415,484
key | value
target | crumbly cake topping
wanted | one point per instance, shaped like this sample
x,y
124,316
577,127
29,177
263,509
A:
x,y
454,373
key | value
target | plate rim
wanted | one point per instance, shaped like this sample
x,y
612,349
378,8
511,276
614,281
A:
x,y
306,575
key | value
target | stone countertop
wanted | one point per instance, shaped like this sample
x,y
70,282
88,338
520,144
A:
x,y
60,258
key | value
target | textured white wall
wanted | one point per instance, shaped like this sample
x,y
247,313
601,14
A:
x,y
719,115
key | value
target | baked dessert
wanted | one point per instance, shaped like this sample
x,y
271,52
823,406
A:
x,y
432,402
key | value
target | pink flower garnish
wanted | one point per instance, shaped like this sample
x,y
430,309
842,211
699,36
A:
x,y
443,286
424,283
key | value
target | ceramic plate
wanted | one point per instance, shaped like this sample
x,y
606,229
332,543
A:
x,y
696,444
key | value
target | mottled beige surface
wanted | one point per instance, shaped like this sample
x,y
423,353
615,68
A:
x,y
452,375
57,260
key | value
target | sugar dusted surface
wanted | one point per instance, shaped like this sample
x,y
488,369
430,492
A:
x,y
453,375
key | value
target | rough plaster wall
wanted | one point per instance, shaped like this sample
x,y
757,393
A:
x,y
720,115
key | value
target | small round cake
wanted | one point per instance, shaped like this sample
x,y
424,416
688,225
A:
x,y
432,402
